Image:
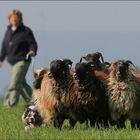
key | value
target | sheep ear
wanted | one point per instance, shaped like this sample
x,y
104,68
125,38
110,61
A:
x,y
113,65
35,75
40,73
128,62
43,72
107,64
37,72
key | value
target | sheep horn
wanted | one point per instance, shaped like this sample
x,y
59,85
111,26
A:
x,y
130,62
100,55
49,74
68,62
83,57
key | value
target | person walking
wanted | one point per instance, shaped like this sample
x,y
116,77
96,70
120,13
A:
x,y
18,46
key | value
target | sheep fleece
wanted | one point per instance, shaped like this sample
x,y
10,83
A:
x,y
124,97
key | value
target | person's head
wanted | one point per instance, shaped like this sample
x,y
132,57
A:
x,y
15,17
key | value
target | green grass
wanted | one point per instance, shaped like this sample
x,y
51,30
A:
x,y
11,127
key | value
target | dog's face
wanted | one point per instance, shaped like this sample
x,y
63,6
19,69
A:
x,y
31,117
60,68
121,69
83,70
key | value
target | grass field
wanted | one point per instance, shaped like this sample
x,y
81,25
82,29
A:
x,y
11,127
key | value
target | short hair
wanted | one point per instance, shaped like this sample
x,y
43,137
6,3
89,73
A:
x,y
16,12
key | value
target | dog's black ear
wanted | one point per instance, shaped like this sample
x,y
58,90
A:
x,y
26,111
31,103
37,113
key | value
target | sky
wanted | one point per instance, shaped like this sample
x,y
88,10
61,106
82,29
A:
x,y
71,29
76,16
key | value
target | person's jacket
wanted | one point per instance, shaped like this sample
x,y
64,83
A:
x,y
16,44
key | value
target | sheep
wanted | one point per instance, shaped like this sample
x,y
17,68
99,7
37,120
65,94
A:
x,y
60,95
52,104
123,94
87,97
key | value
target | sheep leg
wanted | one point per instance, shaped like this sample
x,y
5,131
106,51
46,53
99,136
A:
x,y
138,124
72,123
121,122
87,124
104,124
92,122
101,124
135,124
58,122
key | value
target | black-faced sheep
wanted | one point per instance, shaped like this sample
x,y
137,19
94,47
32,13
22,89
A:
x,y
52,104
87,97
100,67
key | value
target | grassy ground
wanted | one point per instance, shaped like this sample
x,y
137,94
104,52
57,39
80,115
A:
x,y
11,127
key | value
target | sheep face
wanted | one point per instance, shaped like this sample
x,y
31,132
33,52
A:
x,y
120,69
97,60
94,57
83,70
60,68
91,58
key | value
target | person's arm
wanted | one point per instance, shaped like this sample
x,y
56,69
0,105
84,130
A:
x,y
3,50
32,43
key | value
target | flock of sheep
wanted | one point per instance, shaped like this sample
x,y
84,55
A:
x,y
94,92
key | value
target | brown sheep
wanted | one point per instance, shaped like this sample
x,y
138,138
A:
x,y
52,101
87,97
124,94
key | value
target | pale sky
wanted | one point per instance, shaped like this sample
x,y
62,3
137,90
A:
x,y
76,16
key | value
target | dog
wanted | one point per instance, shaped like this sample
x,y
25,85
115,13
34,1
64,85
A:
x,y
31,118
